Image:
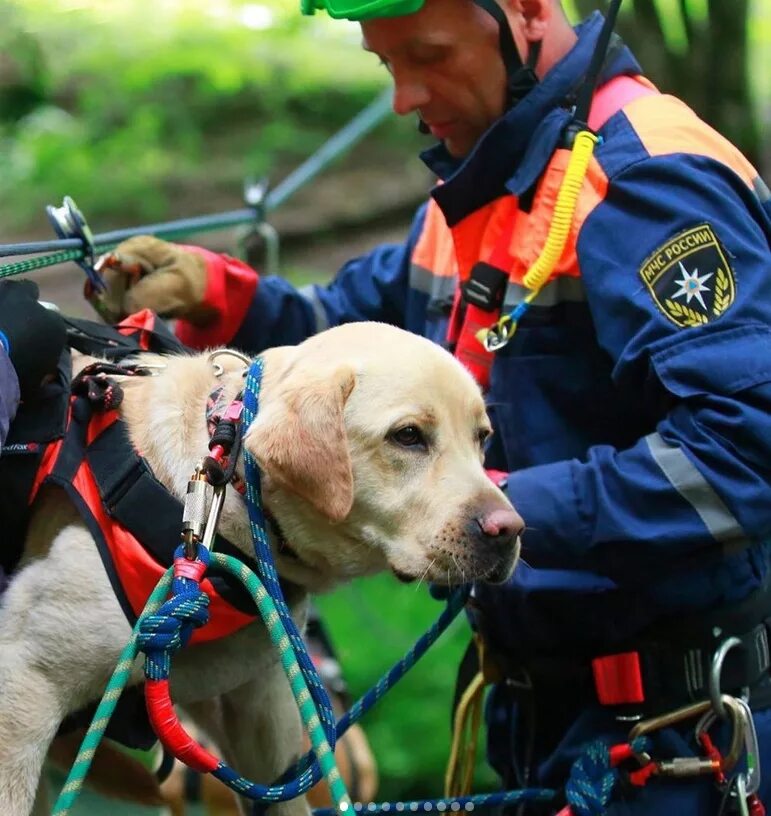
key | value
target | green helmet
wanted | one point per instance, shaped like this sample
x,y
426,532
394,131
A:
x,y
358,10
521,77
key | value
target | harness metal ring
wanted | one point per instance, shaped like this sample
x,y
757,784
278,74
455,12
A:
x,y
715,694
218,369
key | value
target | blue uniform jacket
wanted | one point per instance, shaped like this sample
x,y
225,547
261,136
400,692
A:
x,y
632,407
639,449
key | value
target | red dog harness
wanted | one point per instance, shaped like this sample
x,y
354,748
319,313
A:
x,y
132,517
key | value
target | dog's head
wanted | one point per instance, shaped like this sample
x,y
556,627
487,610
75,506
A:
x,y
370,441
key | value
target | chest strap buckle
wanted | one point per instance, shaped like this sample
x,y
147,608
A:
x,y
485,287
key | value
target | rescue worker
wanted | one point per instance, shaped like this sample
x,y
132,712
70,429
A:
x,y
632,406
31,340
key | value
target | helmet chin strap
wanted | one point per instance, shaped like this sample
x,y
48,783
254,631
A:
x,y
520,77
523,79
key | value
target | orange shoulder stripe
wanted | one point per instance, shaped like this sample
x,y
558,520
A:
x,y
665,125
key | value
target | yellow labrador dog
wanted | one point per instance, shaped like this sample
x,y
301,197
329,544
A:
x,y
370,443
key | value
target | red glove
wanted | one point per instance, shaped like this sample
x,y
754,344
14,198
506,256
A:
x,y
208,293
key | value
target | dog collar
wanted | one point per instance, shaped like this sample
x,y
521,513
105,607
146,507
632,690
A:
x,y
219,407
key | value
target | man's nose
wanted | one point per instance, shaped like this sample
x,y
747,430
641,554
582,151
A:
x,y
409,95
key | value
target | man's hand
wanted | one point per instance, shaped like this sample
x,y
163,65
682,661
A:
x,y
145,272
32,335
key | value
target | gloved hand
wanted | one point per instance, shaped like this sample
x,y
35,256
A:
x,y
32,335
145,272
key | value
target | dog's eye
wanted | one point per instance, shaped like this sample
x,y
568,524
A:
x,y
410,436
483,436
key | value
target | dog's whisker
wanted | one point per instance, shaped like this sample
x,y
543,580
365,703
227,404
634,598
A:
x,y
457,565
425,572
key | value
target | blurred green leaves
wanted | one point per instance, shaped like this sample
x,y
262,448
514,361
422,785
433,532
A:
x,y
373,622
127,100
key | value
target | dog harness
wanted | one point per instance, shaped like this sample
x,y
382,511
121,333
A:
x,y
74,438
133,519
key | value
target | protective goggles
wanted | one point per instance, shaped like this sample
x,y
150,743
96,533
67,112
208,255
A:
x,y
358,10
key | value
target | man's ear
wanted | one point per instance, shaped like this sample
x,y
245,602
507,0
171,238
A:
x,y
299,439
536,15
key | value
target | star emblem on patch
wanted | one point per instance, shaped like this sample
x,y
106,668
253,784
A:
x,y
690,278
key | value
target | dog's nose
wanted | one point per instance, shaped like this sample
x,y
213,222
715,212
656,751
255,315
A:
x,y
500,525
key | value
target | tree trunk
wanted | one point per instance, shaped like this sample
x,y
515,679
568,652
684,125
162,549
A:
x,y
711,76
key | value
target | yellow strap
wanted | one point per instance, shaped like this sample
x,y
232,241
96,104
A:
x,y
459,776
559,230
564,210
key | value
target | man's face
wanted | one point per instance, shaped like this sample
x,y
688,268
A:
x,y
446,67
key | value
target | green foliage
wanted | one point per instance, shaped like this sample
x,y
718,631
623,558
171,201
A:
x,y
141,94
373,622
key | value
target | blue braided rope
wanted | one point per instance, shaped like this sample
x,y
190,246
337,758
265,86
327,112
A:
x,y
592,778
265,566
161,633
588,791
170,628
308,712
309,770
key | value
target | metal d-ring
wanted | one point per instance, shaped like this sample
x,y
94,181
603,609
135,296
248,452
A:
x,y
715,672
218,369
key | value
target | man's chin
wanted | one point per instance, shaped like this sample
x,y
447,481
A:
x,y
459,145
455,148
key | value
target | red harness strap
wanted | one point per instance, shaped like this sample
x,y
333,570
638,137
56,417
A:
x,y
477,305
618,679
132,569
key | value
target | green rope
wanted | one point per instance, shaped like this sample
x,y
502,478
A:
x,y
280,640
115,686
30,264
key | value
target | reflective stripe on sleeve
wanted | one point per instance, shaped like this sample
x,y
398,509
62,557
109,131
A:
x,y
694,488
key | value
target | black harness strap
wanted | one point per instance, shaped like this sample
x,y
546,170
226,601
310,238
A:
x,y
37,423
139,502
101,340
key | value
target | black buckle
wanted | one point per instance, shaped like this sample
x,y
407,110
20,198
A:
x,y
485,287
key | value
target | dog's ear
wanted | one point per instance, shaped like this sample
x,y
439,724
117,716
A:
x,y
299,439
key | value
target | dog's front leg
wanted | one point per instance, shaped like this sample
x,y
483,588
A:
x,y
29,716
263,732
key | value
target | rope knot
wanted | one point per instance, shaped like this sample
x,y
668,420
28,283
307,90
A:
x,y
161,634
594,777
592,780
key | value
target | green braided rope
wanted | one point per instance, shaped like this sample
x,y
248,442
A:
x,y
115,686
302,695
280,640
64,255
30,264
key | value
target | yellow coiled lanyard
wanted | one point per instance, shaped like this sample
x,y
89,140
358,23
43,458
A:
x,y
496,336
